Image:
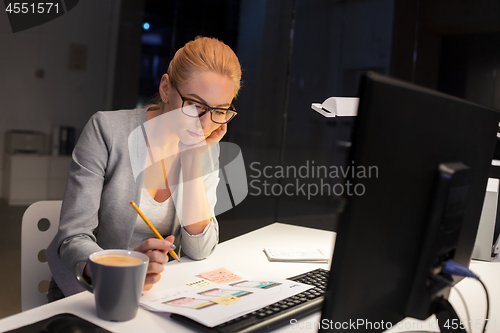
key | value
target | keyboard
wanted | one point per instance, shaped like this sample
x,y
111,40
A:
x,y
276,314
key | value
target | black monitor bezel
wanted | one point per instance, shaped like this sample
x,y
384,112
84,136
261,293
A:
x,y
373,281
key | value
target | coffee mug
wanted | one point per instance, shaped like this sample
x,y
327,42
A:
x,y
117,282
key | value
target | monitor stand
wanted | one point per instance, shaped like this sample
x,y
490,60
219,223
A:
x,y
446,213
447,318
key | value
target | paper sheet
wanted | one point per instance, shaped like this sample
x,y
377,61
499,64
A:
x,y
214,305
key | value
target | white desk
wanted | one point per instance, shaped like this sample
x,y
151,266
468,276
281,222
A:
x,y
244,254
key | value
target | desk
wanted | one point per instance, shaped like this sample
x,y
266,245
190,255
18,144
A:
x,y
244,254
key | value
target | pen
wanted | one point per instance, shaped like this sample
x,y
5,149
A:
x,y
172,253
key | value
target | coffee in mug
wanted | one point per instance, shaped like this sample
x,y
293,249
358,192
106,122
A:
x,y
117,282
116,260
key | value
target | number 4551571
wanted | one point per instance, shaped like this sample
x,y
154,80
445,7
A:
x,y
39,8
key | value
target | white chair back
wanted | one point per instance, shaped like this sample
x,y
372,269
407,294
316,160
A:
x,y
39,226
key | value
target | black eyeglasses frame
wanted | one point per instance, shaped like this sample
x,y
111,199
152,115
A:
x,y
208,108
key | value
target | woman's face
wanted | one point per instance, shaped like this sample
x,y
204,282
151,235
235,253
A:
x,y
208,88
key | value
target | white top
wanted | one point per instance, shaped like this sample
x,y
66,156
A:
x,y
160,214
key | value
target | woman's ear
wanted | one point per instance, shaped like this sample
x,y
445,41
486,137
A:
x,y
164,88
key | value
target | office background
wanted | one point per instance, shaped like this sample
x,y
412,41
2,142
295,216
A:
x,y
100,56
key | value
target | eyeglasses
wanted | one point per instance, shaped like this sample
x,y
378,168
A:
x,y
217,115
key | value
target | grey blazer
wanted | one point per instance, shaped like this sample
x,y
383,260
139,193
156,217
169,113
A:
x,y
96,212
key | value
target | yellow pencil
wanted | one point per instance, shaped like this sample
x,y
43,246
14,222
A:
x,y
172,253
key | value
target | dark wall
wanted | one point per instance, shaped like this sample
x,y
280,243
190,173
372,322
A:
x,y
297,52
128,55
451,46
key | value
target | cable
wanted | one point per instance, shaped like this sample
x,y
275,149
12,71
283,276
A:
x,y
467,314
454,268
487,305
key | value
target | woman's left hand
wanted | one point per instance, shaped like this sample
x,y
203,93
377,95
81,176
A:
x,y
202,146
217,135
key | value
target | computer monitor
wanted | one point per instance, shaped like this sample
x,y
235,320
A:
x,y
388,237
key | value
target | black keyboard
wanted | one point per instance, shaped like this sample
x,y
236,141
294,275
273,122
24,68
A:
x,y
276,314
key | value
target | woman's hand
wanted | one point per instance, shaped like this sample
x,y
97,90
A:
x,y
195,210
157,250
217,135
190,156
203,145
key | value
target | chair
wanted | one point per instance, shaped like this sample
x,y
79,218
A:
x,y
39,226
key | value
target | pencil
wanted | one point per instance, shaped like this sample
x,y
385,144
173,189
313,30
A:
x,y
172,253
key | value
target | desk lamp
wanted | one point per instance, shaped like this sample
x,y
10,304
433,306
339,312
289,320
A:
x,y
337,107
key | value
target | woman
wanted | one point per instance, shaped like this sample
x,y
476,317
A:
x,y
157,156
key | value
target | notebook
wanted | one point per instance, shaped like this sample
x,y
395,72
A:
x,y
295,255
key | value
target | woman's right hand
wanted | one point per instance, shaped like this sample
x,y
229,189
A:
x,y
157,251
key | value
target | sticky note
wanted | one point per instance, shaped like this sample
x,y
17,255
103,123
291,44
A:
x,y
226,300
201,283
202,305
220,275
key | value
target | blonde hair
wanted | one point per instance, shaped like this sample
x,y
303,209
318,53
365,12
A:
x,y
203,54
